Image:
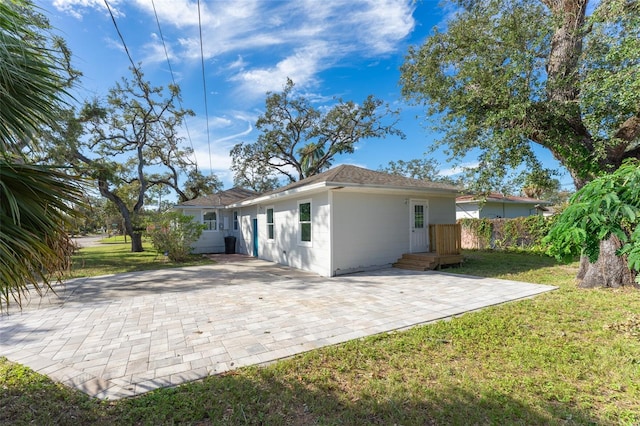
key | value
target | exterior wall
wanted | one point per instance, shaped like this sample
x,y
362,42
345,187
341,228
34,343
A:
x,y
442,210
209,241
373,230
493,210
467,211
285,247
518,210
369,230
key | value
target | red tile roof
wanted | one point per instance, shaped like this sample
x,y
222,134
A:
x,y
501,198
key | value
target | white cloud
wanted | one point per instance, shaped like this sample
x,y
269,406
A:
x,y
380,24
76,8
301,67
319,33
455,170
154,51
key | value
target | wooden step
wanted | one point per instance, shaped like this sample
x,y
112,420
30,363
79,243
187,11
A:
x,y
422,263
428,257
426,261
410,266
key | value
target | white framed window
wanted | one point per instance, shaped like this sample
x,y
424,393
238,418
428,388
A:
x,y
236,224
304,222
210,220
270,224
418,216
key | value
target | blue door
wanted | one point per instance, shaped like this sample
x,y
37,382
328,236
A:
x,y
255,237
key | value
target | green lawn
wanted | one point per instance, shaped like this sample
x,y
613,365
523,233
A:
x,y
566,357
114,256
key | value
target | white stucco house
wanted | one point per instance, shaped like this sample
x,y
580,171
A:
x,y
495,206
344,220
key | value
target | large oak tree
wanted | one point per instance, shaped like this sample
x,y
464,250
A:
x,y
506,75
129,143
298,140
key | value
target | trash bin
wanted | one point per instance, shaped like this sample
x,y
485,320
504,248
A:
x,y
230,245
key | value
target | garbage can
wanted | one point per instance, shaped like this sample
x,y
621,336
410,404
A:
x,y
230,245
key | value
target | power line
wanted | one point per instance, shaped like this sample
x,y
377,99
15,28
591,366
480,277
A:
x,y
166,54
204,86
126,49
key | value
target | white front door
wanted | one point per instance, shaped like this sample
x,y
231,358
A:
x,y
419,226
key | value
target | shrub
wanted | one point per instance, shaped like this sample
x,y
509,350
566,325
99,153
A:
x,y
173,234
521,233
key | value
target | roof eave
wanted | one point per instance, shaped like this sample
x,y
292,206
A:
x,y
200,207
404,188
278,195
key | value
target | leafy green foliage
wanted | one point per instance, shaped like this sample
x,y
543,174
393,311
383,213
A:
x,y
425,169
481,229
508,74
173,234
520,233
36,202
540,184
609,205
35,216
297,136
31,79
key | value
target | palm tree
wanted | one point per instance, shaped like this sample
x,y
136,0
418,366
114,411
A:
x,y
35,201
310,156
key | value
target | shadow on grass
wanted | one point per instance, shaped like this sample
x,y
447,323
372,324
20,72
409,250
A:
x,y
261,396
267,399
490,263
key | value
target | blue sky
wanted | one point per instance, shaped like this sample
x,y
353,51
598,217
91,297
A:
x,y
329,48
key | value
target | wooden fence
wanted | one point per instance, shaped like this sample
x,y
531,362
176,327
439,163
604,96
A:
x,y
445,239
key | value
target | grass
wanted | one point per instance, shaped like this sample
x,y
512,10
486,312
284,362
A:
x,y
566,357
114,257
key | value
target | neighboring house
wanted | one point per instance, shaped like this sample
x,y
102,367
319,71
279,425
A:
x,y
344,220
211,210
496,206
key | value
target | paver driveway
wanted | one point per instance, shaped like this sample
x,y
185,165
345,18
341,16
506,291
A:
x,y
122,335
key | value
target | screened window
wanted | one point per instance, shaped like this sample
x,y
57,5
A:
x,y
210,221
235,221
418,221
270,223
304,219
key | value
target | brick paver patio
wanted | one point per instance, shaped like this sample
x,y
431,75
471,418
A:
x,y
122,335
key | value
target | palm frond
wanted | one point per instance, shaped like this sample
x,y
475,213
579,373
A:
x,y
36,206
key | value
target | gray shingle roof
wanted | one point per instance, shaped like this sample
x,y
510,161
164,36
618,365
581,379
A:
x,y
220,199
341,175
348,175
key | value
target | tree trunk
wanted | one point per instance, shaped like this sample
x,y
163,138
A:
x,y
609,270
136,242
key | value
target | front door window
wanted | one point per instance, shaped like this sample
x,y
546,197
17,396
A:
x,y
418,216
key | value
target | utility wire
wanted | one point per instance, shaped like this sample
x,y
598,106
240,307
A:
x,y
204,86
166,54
136,71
